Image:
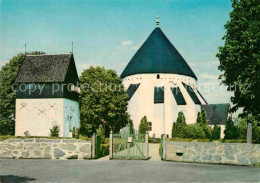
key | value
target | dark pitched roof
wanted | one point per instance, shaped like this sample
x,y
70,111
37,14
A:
x,y
216,113
44,68
157,55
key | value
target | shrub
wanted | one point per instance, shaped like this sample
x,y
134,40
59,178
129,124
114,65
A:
x,y
26,134
204,117
55,131
143,126
179,128
242,128
104,149
216,132
75,132
231,131
195,131
101,132
199,118
6,126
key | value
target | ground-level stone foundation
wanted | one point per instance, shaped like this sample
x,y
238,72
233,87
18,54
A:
x,y
220,153
45,149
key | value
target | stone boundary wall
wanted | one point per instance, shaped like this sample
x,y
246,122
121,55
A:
x,y
38,148
210,152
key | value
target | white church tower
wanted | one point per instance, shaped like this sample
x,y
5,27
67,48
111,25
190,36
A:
x,y
160,84
46,95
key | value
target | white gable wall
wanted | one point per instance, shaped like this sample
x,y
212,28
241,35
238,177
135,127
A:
x,y
37,116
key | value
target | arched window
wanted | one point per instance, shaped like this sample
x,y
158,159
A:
x,y
158,76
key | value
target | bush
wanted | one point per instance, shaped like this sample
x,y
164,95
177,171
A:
x,y
231,131
179,128
104,149
143,126
188,140
55,131
195,131
6,126
242,128
75,133
101,132
204,117
207,130
216,132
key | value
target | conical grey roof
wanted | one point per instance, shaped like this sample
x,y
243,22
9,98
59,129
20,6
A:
x,y
157,55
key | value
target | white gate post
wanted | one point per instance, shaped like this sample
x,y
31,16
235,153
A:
x,y
164,147
147,145
93,146
111,145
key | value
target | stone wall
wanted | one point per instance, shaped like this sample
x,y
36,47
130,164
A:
x,y
45,149
220,153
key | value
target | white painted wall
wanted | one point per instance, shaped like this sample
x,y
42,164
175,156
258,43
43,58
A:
x,y
142,102
37,116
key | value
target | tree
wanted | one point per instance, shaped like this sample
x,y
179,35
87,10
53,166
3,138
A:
x,y
216,132
102,101
199,118
240,58
101,132
179,128
204,117
7,95
143,126
231,131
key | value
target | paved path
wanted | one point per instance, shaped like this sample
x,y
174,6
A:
x,y
88,171
154,152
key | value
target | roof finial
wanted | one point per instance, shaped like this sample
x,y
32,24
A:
x,y
157,21
25,48
72,47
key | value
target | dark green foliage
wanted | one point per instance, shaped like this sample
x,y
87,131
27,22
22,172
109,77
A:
x,y
199,118
240,57
216,132
231,131
195,131
54,132
101,132
7,96
242,129
204,117
143,126
75,132
103,101
104,149
7,126
179,128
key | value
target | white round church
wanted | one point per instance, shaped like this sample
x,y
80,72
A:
x,y
160,84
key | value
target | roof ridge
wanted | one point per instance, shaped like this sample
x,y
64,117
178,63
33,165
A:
x,y
50,54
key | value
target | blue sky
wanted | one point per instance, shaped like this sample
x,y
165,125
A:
x,y
109,32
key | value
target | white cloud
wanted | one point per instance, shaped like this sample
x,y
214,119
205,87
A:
x,y
208,76
127,42
204,64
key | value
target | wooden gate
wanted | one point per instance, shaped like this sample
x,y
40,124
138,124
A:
x,y
129,146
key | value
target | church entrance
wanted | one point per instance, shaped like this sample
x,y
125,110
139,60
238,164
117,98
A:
x,y
129,146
